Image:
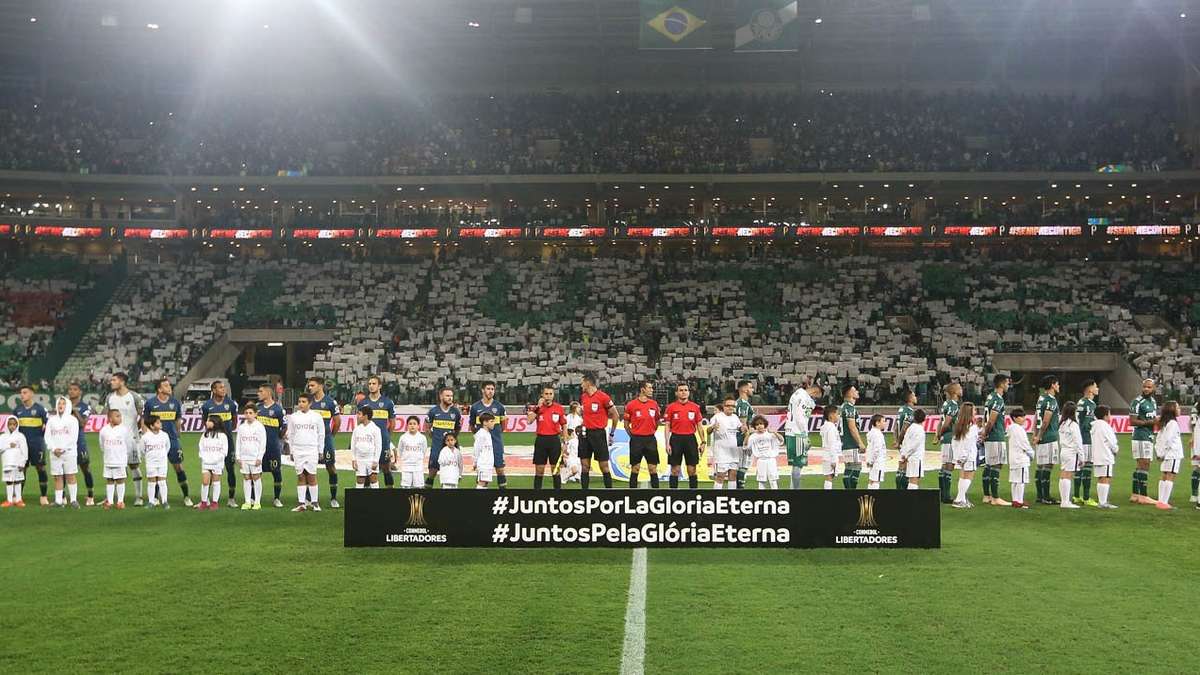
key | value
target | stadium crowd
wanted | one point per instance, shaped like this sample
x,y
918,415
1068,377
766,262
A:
x,y
627,132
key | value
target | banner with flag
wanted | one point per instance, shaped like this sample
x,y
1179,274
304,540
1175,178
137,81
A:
x,y
675,24
767,26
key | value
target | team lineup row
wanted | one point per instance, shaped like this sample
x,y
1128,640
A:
x,y
145,433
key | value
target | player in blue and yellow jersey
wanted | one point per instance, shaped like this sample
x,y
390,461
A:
x,y
82,411
325,406
489,404
443,418
168,410
225,409
274,421
31,420
383,412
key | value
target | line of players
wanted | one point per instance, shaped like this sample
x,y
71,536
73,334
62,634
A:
x,y
146,433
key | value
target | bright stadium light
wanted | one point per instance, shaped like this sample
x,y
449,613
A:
x,y
152,26
818,20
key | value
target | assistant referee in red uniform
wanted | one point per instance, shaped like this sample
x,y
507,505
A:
x,y
598,411
642,418
683,417
551,430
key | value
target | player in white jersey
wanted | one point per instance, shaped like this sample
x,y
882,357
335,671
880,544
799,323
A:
x,y
115,445
62,442
723,431
1020,455
831,445
574,418
764,446
485,454
1104,455
450,462
1168,445
1070,453
306,439
366,445
964,444
129,404
214,448
251,447
413,447
876,457
1196,456
912,449
800,409
155,446
570,467
14,454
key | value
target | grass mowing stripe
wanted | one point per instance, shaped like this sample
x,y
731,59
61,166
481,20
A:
x,y
633,652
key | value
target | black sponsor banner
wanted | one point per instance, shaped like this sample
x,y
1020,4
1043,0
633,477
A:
x,y
644,518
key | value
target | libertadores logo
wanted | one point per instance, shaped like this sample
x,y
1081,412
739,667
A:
x,y
866,512
416,510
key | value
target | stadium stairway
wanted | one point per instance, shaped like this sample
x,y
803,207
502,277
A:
x,y
213,364
71,340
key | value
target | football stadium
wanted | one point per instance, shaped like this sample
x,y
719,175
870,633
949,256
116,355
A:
x,y
614,336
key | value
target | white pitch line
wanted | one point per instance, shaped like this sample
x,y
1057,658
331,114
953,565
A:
x,y
633,652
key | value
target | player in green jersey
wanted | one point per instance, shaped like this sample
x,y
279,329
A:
x,y
904,417
852,442
745,412
1045,437
1085,410
995,447
945,436
1143,416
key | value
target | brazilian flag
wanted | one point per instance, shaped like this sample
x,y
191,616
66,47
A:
x,y
767,26
676,24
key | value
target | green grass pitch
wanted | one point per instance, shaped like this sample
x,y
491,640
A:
x,y
274,591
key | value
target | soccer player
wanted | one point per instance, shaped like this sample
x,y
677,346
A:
x,y
214,448
129,403
831,445
1085,410
904,417
413,448
14,453
852,442
443,418
226,410
995,453
764,447
598,411
1071,455
156,446
963,443
31,419
306,439
1196,456
945,440
450,461
82,412
365,446
115,445
724,430
801,405
251,447
912,448
642,416
1104,455
682,418
167,409
1045,438
876,453
1019,457
274,421
488,404
1143,416
1169,447
745,412
383,412
550,434
324,405
62,442
485,456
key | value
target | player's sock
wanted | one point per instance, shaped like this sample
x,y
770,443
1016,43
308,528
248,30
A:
x,y
229,472
872,485
1102,491
1195,482
333,484
557,482
827,484
429,481
258,490
58,496
388,479
137,483
1018,493
204,493
216,491
73,492
943,485
774,484
673,481
313,497
741,478
607,480
277,480
914,486
87,479
1064,490
501,481
846,481
795,478
1169,486
718,483
110,491
302,494
162,490
181,476
633,480
902,481
1087,482
43,480
654,480
693,482
120,493
247,490
537,482
964,484
1037,480
585,479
